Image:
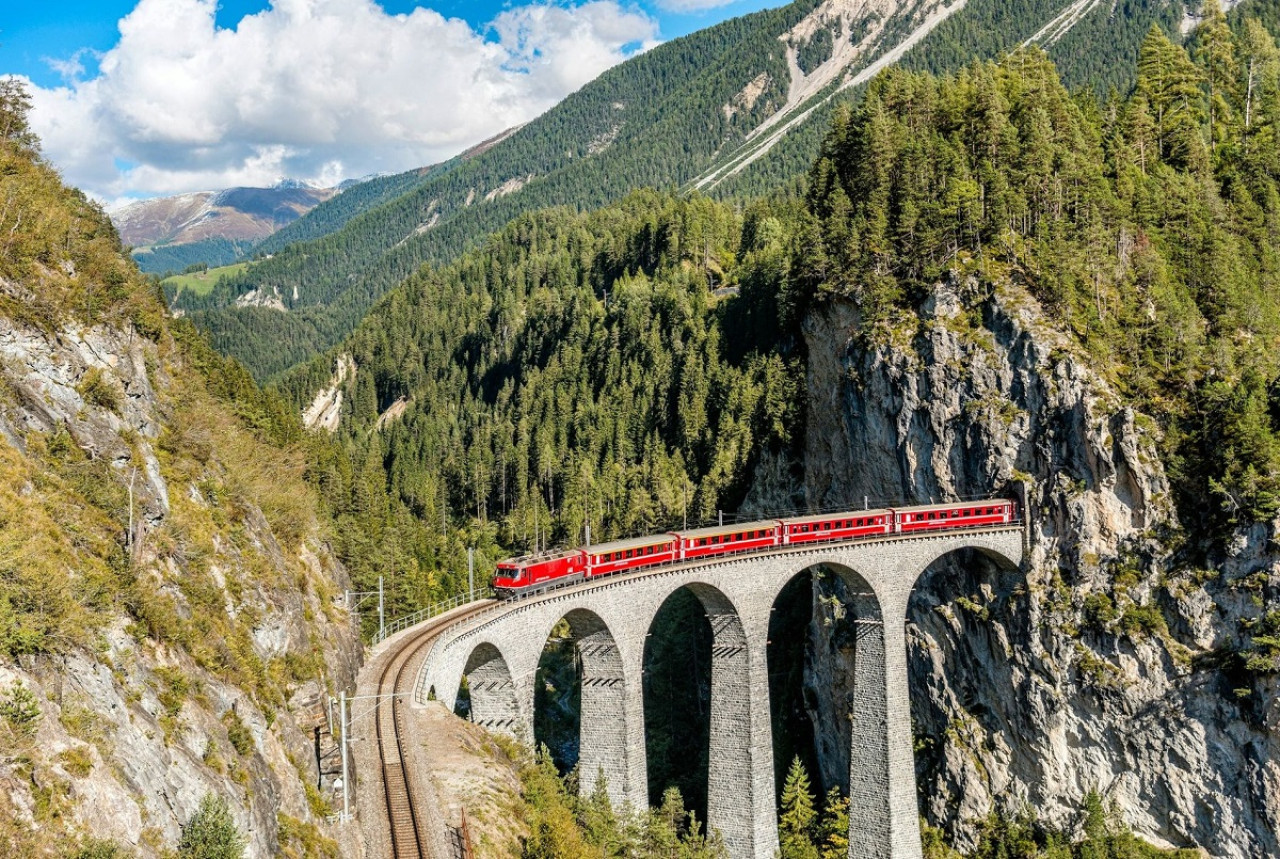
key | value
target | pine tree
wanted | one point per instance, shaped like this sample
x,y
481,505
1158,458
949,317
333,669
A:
x,y
1094,845
1171,84
833,832
796,823
1216,54
15,107
1259,67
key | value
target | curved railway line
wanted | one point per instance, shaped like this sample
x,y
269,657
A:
x,y
408,838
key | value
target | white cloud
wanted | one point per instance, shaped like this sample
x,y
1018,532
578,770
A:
x,y
314,89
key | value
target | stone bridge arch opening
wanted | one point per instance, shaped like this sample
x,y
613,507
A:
x,y
826,653
965,609
698,706
580,699
677,699
486,693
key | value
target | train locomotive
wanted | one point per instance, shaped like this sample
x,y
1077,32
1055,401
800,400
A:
x,y
534,573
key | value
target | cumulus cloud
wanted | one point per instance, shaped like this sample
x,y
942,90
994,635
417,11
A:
x,y
314,89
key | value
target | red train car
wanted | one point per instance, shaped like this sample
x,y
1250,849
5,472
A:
x,y
533,572
836,526
723,539
536,572
966,514
631,554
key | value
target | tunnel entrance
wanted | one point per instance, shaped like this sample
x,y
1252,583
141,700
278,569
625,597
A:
x,y
677,700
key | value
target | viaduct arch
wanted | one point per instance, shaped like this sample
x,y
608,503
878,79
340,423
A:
x,y
499,652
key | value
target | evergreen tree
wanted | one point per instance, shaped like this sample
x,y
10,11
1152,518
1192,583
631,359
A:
x,y
833,833
798,816
15,108
1216,54
1171,84
1260,68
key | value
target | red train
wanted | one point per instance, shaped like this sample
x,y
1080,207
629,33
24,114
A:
x,y
537,572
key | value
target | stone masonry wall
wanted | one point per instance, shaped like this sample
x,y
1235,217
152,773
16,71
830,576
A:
x,y
738,594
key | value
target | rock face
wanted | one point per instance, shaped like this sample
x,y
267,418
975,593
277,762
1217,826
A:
x,y
134,731
325,410
1095,667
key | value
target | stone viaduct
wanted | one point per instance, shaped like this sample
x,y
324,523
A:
x,y
499,653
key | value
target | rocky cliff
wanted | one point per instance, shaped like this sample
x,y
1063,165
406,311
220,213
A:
x,y
1107,663
169,622
204,662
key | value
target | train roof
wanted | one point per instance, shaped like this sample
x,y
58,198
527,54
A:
x,y
736,528
553,555
630,543
951,505
825,517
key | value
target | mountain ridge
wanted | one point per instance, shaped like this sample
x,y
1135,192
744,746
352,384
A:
x,y
682,114
211,224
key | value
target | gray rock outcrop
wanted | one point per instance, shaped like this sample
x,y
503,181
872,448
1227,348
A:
x,y
1100,666
134,731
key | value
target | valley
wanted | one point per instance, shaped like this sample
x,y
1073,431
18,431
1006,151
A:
x,y
857,258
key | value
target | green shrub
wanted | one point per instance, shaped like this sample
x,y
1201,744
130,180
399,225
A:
x,y
1263,655
100,848
302,840
97,389
211,833
237,733
1141,620
77,760
20,709
1099,611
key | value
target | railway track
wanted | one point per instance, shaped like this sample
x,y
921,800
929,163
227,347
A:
x,y
408,840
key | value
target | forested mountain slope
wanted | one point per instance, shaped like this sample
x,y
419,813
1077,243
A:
x,y
168,627
992,285
737,109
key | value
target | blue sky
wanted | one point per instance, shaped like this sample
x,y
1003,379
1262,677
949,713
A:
x,y
140,98
34,32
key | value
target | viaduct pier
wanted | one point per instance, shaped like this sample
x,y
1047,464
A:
x,y
498,652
